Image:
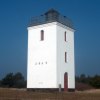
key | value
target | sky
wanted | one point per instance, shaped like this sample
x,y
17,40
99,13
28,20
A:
x,y
14,19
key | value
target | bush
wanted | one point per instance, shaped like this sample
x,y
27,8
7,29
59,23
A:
x,y
90,81
11,80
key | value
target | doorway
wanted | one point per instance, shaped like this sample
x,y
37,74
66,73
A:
x,y
65,81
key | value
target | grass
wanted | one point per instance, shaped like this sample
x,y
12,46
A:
x,y
22,94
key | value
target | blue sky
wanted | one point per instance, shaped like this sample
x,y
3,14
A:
x,y
14,19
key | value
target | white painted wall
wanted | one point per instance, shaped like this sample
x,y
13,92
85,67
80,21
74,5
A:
x,y
63,47
42,75
52,51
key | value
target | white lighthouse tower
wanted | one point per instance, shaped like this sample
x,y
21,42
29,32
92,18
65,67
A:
x,y
50,63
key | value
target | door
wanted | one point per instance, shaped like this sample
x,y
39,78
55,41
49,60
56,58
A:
x,y
65,81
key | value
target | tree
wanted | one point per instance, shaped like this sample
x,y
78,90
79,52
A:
x,y
7,80
11,80
95,81
19,80
0,83
83,78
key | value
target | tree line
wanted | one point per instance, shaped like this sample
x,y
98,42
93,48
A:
x,y
93,81
13,80
17,80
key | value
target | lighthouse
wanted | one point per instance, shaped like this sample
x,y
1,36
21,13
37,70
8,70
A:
x,y
50,59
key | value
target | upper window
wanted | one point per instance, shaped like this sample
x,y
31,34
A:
x,y
65,35
65,57
42,35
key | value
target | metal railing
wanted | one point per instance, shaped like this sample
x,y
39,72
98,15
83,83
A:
x,y
43,19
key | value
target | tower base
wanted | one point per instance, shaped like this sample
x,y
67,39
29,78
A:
x,y
49,89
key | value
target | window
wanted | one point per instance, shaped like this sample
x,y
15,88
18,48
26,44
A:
x,y
42,35
65,36
65,57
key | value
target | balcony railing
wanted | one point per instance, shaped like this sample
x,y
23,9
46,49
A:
x,y
43,19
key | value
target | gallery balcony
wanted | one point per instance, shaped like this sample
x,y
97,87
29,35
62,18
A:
x,y
51,16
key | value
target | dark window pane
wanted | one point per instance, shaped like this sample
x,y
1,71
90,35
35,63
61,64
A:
x,y
65,56
65,36
42,35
